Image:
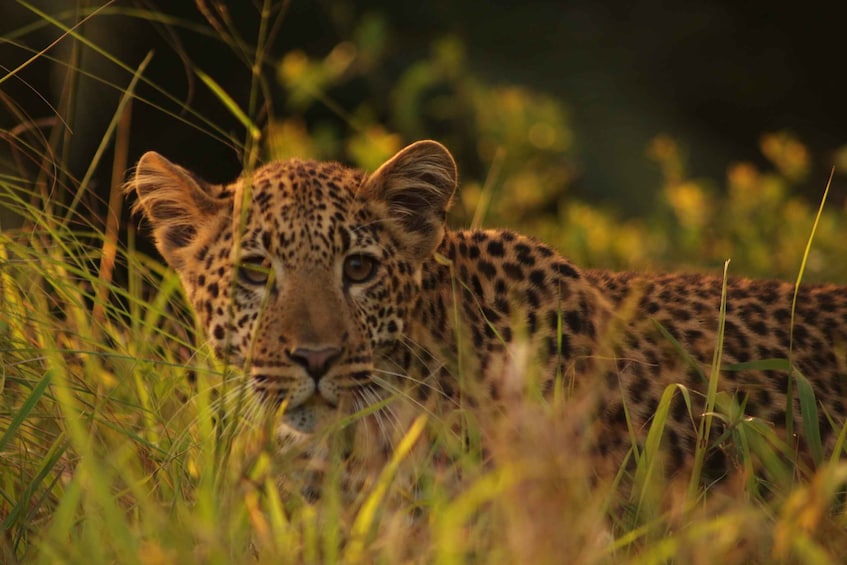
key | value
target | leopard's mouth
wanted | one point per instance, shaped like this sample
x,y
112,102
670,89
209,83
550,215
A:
x,y
319,409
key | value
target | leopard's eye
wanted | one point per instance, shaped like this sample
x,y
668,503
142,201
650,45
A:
x,y
359,268
254,270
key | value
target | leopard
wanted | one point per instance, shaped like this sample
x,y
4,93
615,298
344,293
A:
x,y
336,292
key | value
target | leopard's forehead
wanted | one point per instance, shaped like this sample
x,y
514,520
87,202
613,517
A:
x,y
298,207
301,187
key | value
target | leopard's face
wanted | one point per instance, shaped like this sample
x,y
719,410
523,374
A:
x,y
303,273
316,296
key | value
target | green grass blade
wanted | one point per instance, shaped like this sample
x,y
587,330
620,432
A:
x,y
230,104
789,396
25,505
367,514
774,364
714,375
645,473
25,410
809,414
66,32
106,140
681,350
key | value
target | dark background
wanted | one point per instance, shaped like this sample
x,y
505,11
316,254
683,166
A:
x,y
715,75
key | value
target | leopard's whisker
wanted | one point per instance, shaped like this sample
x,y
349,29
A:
x,y
402,394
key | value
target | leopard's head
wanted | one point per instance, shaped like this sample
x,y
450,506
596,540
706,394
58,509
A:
x,y
303,273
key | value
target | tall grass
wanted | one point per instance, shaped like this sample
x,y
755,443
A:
x,y
110,454
116,446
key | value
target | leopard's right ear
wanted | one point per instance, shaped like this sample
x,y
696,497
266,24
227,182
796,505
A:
x,y
174,201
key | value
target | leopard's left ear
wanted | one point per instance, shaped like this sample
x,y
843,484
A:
x,y
417,185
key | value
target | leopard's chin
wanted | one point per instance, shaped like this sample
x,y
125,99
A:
x,y
305,419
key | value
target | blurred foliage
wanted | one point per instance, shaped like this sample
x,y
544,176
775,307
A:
x,y
515,149
514,144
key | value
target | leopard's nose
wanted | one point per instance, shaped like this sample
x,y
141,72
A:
x,y
316,361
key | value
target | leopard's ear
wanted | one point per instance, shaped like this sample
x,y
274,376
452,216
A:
x,y
417,185
174,201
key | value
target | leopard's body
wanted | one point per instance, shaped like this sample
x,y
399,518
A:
x,y
335,290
